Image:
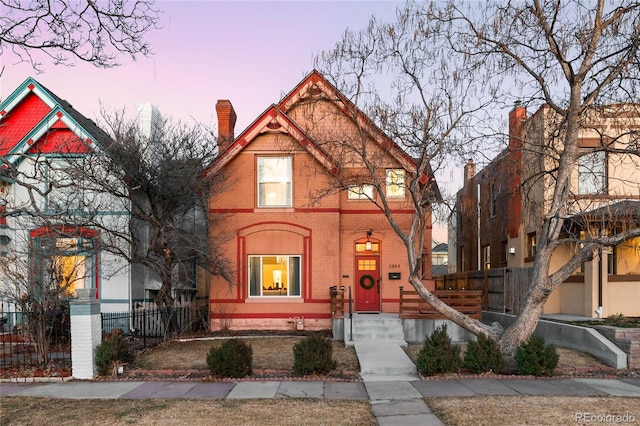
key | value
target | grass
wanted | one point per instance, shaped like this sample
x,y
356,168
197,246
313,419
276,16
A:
x,y
276,353
47,411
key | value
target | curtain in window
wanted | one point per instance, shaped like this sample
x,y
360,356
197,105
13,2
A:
x,y
294,276
254,276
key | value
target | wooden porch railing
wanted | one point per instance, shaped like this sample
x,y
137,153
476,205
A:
x,y
468,302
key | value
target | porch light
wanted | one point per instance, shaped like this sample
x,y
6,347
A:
x,y
367,244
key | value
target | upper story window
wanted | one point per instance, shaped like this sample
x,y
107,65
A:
x,y
274,181
396,183
64,191
592,169
360,192
532,245
493,197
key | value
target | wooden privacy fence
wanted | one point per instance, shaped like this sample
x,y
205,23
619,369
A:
x,y
503,289
468,302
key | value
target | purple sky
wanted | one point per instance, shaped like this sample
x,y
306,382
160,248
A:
x,y
250,52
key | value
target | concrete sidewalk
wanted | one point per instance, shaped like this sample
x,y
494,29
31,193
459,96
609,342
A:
x,y
393,402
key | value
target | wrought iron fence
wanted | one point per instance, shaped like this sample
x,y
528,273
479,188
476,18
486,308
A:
x,y
145,328
35,340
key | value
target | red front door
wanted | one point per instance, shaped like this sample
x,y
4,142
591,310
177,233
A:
x,y
367,283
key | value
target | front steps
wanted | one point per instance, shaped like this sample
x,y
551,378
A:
x,y
378,341
374,327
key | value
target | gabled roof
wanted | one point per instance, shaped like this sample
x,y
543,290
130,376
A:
x,y
273,120
43,112
316,82
276,116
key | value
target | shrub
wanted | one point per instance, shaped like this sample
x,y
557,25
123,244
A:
x,y
438,354
111,353
313,355
232,359
535,358
483,356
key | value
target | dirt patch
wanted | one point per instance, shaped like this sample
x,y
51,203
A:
x,y
272,356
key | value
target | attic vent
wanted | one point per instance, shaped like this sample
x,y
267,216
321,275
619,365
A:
x,y
274,125
315,91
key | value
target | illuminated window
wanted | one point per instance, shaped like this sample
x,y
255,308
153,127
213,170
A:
x,y
486,257
274,181
63,265
360,192
395,183
532,244
274,276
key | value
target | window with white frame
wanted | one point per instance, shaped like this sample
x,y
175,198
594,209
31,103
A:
x,y
396,183
592,173
275,181
63,264
360,192
64,193
275,275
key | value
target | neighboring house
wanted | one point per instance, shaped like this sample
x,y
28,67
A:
x,y
439,258
44,211
293,233
509,194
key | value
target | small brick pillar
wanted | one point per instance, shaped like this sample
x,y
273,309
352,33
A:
x,y
86,333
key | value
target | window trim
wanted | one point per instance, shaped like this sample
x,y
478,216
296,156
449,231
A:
x,y
289,190
588,177
359,192
261,285
390,182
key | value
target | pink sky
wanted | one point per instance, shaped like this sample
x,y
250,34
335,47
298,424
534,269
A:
x,y
250,52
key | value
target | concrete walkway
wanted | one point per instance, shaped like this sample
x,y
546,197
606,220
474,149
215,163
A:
x,y
390,383
393,402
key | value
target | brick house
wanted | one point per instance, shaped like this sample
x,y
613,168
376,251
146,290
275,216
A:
x,y
300,213
39,133
499,210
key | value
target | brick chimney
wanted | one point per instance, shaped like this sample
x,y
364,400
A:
x,y
517,116
226,123
469,171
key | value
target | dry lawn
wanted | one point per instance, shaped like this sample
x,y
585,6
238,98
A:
x,y
269,353
533,410
294,412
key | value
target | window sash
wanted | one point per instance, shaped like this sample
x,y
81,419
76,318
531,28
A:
x,y
592,173
274,181
396,179
275,275
360,192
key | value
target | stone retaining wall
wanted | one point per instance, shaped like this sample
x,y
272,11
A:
x,y
627,339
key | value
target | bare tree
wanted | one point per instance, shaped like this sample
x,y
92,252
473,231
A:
x,y
93,31
156,178
451,66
